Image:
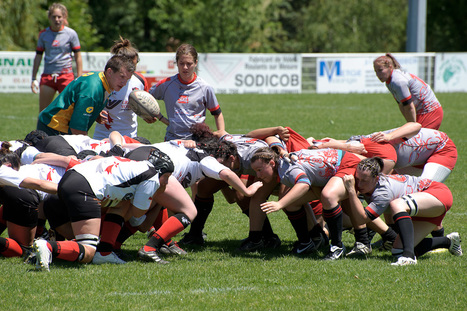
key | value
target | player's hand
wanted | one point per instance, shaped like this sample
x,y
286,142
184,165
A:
x,y
220,133
103,117
356,147
254,187
349,183
380,137
283,133
270,207
153,120
35,86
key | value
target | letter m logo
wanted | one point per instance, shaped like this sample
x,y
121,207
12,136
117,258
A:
x,y
328,68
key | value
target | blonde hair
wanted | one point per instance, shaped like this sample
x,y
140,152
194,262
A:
x,y
387,61
61,7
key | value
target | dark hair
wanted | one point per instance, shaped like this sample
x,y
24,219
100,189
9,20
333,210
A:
x,y
201,131
125,48
225,150
116,62
34,137
161,162
265,154
186,49
373,165
12,158
84,153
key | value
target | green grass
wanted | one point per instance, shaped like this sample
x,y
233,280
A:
x,y
218,277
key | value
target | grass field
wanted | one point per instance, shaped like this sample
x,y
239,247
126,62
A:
x,y
217,276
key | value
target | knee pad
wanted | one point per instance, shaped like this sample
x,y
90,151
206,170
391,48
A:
x,y
411,203
88,239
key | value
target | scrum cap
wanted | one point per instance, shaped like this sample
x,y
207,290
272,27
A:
x,y
160,161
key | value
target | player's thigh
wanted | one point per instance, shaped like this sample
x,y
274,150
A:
x,y
421,204
333,193
176,199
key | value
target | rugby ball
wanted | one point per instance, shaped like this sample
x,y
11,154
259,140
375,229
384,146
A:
x,y
144,104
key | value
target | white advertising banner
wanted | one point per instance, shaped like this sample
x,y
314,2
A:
x,y
355,74
16,68
252,73
16,71
451,72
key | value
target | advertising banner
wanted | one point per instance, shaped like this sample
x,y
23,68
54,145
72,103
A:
x,y
451,72
16,68
355,74
252,73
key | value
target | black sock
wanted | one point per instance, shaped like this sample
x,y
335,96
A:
x,y
317,231
428,244
394,227
404,222
300,224
361,235
438,233
389,235
333,218
204,207
255,236
155,241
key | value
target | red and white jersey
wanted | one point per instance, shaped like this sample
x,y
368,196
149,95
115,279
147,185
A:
x,y
314,167
58,46
26,153
11,177
185,103
84,142
405,86
246,148
43,172
391,187
120,117
115,179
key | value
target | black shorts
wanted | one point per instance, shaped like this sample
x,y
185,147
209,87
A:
x,y
55,144
55,211
20,205
140,153
76,193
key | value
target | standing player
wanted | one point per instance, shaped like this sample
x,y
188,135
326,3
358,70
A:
x,y
416,100
78,106
58,42
117,115
186,97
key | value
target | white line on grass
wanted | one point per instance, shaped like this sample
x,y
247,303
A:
x,y
193,291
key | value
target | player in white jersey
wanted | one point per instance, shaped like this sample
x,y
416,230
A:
x,y
19,210
304,178
416,99
190,166
186,97
117,115
416,204
58,42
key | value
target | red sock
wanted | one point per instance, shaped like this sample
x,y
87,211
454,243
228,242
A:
x,y
66,250
11,248
161,218
110,229
170,228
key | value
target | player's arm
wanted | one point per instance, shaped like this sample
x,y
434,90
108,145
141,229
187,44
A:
x,y
78,132
37,184
220,125
262,133
296,192
404,132
408,111
233,180
35,68
79,63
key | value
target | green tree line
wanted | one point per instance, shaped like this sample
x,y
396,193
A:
x,y
237,26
